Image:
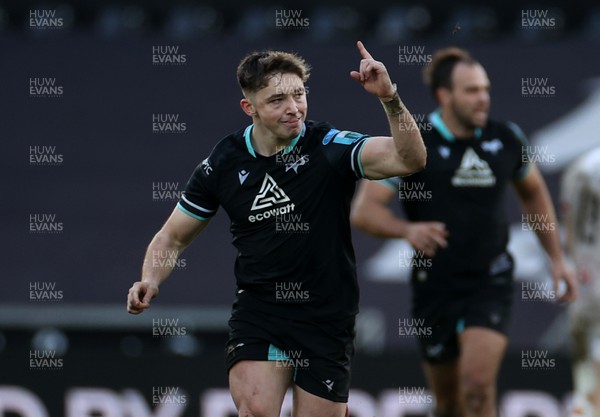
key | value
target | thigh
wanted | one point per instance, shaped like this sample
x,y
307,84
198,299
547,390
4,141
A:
x,y
483,330
258,387
481,353
310,405
443,381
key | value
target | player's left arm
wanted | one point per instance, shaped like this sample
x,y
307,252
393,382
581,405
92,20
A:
x,y
537,206
404,152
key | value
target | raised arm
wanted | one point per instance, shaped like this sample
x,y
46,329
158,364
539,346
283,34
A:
x,y
537,206
161,256
404,152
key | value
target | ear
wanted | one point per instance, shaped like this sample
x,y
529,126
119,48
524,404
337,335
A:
x,y
443,96
247,107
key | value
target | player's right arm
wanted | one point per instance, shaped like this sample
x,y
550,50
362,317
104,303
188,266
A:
x,y
371,214
161,256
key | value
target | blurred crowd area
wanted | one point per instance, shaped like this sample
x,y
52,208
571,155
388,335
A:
x,y
385,21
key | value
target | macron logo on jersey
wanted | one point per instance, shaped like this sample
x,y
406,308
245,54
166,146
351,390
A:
x,y
444,151
269,194
242,175
329,384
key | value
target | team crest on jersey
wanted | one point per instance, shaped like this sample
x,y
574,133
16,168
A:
x,y
302,160
492,146
473,172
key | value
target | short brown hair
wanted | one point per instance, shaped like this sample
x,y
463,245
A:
x,y
438,73
255,70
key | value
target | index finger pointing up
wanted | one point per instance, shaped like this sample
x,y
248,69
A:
x,y
363,51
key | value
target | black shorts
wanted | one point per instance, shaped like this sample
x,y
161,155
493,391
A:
x,y
320,353
445,313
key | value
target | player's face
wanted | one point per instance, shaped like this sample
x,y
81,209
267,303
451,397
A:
x,y
281,106
469,98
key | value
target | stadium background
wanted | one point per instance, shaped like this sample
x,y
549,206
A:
x,y
83,166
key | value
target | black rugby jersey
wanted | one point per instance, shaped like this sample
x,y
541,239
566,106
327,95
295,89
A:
x,y
463,186
289,219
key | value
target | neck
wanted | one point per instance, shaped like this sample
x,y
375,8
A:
x,y
458,129
267,144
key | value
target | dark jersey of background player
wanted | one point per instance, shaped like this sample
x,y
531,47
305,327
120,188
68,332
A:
x,y
289,219
464,187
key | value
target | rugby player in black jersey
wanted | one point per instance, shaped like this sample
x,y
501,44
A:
x,y
462,285
286,184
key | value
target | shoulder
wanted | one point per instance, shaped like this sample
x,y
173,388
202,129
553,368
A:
x,y
226,149
224,153
506,131
316,127
320,131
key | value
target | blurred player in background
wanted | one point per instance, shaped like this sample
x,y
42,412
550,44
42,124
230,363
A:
x,y
464,295
580,202
292,321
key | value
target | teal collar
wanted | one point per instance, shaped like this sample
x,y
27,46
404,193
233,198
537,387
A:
x,y
248,133
436,120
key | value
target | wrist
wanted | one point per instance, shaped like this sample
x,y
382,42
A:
x,y
404,229
393,106
390,97
149,282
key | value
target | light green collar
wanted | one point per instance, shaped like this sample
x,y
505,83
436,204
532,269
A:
x,y
288,149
